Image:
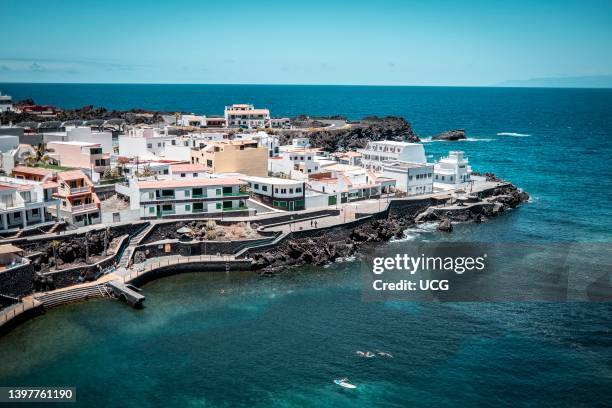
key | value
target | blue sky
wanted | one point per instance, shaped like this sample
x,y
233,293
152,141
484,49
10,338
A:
x,y
309,42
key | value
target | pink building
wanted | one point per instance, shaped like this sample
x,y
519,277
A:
x,y
82,155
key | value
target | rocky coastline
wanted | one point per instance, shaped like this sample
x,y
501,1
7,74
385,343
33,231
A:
x,y
355,135
342,242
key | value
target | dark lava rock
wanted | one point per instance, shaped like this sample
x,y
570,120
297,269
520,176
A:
x,y
445,225
356,135
451,135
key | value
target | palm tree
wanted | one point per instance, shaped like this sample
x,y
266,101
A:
x,y
38,157
55,244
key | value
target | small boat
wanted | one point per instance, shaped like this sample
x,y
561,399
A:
x,y
343,382
367,354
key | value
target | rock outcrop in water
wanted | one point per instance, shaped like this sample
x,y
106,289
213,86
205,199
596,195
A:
x,y
450,135
355,135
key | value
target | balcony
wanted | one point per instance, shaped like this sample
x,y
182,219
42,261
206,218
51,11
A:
x,y
238,194
79,190
84,208
165,197
239,208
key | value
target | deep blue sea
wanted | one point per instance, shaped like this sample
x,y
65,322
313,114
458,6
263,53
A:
x,y
280,341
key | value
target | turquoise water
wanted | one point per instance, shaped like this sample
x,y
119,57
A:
x,y
280,341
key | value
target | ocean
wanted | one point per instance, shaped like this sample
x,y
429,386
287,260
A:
x,y
280,341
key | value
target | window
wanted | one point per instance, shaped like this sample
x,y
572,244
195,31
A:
x,y
151,210
198,207
195,175
187,207
209,163
276,190
167,207
283,191
165,171
298,190
151,195
290,191
187,193
159,145
182,174
173,142
35,211
218,206
219,191
256,186
149,145
264,188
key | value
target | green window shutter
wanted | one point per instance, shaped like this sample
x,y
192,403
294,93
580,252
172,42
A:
x,y
187,207
151,210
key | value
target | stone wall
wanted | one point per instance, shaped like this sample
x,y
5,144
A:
x,y
17,281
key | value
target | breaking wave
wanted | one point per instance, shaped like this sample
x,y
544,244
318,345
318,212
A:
x,y
512,134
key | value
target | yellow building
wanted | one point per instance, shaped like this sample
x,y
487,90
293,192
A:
x,y
233,156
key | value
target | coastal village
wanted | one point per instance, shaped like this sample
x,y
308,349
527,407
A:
x,y
90,204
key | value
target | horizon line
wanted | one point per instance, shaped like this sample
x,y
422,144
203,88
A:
x,y
313,84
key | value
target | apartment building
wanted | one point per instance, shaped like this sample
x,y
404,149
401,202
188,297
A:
x,y
79,204
346,183
377,152
411,178
233,156
283,194
144,142
82,134
27,204
82,155
246,116
176,198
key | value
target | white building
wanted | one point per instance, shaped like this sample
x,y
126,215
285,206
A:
x,y
411,178
452,170
263,139
246,116
376,153
25,203
144,142
82,134
192,121
294,162
188,171
6,103
154,168
283,194
350,183
185,197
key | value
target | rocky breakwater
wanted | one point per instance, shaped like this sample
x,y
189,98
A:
x,y
355,135
500,199
328,246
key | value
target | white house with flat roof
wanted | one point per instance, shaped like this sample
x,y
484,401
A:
x,y
176,198
82,134
411,178
377,152
27,204
6,103
144,142
452,170
280,193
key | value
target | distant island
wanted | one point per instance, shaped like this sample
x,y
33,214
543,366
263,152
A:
x,y
594,81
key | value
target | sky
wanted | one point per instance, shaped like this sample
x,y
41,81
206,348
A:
x,y
458,43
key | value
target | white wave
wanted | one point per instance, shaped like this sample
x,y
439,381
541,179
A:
x,y
473,139
512,134
415,232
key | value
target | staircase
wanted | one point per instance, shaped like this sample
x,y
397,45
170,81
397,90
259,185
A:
x,y
54,228
129,251
53,299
